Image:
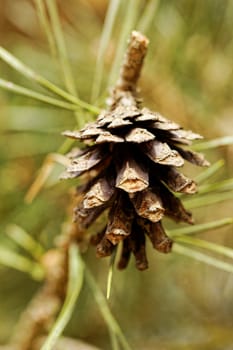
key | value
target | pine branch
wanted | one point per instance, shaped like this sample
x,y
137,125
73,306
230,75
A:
x,y
132,63
38,316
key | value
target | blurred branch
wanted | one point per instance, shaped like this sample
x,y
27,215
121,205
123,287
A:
x,y
61,344
71,344
38,316
75,282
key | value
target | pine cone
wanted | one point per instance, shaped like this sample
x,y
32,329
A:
x,y
131,157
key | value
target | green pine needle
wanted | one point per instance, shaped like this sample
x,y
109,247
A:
x,y
61,47
190,230
112,324
110,274
222,141
18,262
131,12
148,16
9,86
30,74
209,172
200,243
45,24
226,185
104,41
208,199
24,240
209,260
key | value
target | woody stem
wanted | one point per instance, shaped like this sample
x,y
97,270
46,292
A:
x,y
132,63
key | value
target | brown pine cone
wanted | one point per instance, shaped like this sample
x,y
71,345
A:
x,y
132,158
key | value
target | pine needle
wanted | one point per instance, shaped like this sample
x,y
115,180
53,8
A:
x,y
109,281
18,262
44,173
23,69
65,146
222,141
24,240
45,24
75,283
114,342
212,170
47,168
226,185
9,86
61,46
148,16
30,74
130,12
209,260
190,230
200,243
208,199
104,41
105,311
110,274
68,76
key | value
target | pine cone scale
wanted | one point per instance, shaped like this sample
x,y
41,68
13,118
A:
x,y
137,245
139,135
148,205
100,193
107,137
87,161
131,177
120,221
104,248
161,153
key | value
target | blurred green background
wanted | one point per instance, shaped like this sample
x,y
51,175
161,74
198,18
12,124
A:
x,y
178,303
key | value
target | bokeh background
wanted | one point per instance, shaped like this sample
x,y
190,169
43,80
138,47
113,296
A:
x,y
178,303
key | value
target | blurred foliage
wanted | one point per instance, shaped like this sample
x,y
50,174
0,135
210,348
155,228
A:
x,y
178,303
